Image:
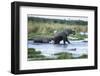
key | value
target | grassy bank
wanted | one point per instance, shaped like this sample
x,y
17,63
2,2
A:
x,y
47,30
42,28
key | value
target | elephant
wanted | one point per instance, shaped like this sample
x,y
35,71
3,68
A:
x,y
42,40
58,36
63,35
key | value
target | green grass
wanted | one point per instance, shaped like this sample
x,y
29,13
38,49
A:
x,y
42,29
32,53
64,55
79,36
84,56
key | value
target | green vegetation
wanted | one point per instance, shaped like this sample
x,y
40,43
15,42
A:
x,y
84,56
78,37
37,55
32,53
60,21
43,27
64,55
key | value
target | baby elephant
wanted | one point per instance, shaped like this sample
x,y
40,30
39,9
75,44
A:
x,y
63,36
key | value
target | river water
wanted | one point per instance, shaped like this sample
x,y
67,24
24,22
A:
x,y
77,48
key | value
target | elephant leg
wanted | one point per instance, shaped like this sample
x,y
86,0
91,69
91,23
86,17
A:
x,y
57,40
64,40
67,40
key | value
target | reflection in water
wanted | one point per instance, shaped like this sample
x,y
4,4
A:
x,y
77,48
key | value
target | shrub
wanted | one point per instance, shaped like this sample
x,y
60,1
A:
x,y
84,56
32,53
64,55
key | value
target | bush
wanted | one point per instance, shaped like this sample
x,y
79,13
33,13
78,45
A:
x,y
64,55
84,56
32,53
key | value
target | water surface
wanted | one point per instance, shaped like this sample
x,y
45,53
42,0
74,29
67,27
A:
x,y
77,48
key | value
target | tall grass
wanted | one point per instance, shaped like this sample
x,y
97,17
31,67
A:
x,y
47,29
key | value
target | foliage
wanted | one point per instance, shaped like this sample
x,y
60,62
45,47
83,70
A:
x,y
46,29
79,36
84,56
60,21
32,53
64,55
